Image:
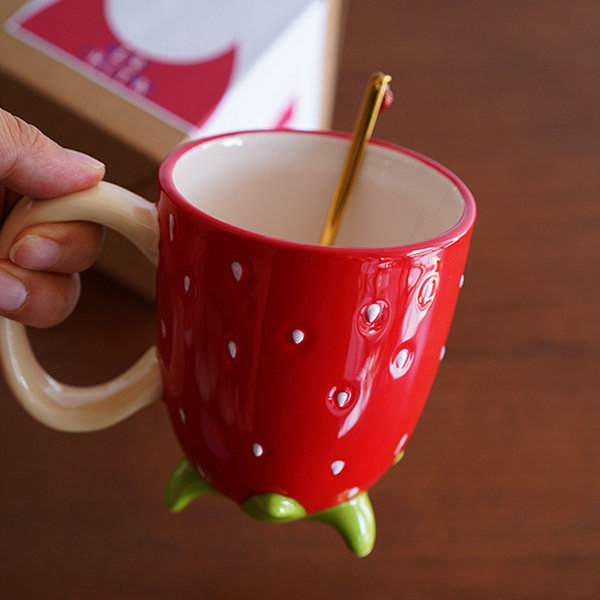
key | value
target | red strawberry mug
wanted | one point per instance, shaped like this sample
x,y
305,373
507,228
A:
x,y
293,373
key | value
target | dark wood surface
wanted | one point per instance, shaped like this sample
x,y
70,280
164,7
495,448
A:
x,y
499,493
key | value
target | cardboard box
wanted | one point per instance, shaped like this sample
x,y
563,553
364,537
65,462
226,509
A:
x,y
129,81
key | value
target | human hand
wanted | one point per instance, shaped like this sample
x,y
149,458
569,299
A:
x,y
39,285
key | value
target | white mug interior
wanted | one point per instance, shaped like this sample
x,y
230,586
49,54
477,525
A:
x,y
280,184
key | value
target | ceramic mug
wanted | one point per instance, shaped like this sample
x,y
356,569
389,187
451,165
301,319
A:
x,y
293,373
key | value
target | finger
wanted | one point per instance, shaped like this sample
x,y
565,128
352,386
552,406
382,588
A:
x,y
34,165
58,247
36,299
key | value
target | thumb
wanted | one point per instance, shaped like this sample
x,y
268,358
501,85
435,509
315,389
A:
x,y
34,165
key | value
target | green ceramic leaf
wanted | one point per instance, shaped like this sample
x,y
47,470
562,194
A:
x,y
273,508
354,520
399,457
184,485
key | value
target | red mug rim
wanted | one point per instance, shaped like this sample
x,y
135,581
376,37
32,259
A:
x,y
459,229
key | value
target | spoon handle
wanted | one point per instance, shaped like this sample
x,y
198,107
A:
x,y
373,103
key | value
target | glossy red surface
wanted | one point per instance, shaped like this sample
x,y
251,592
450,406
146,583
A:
x,y
293,368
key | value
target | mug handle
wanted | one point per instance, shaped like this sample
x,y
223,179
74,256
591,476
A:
x,y
58,405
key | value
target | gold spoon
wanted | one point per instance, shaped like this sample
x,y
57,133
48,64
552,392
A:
x,y
377,97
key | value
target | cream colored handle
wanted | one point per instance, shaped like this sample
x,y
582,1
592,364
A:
x,y
62,406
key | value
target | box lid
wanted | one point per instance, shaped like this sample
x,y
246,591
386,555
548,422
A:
x,y
134,56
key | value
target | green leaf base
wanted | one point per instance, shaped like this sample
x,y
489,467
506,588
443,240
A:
x,y
353,519
184,485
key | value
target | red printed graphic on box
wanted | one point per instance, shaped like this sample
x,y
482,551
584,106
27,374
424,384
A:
x,y
179,76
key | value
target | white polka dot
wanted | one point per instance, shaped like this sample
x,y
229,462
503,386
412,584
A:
x,y
182,415
442,352
257,450
171,227
298,336
342,399
373,311
401,359
232,348
237,270
401,444
401,363
352,492
462,281
187,283
337,466
428,289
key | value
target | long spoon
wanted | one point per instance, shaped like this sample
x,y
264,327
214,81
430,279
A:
x,y
377,98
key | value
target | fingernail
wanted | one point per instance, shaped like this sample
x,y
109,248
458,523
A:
x,y
85,159
35,252
12,293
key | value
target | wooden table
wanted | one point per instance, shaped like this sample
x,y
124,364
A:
x,y
499,493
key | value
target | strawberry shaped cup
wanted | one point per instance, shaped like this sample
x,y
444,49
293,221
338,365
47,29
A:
x,y
295,373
